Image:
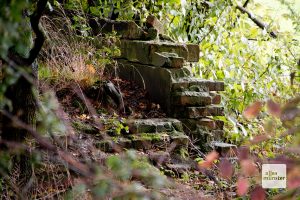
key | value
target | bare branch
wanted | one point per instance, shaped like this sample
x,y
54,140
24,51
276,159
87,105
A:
x,y
39,40
256,21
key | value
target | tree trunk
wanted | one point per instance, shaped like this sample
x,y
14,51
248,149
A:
x,y
23,106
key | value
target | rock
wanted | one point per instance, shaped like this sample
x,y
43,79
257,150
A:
x,y
108,145
206,123
85,127
159,157
187,82
224,149
154,125
180,72
151,34
218,134
190,98
125,29
143,51
198,112
168,60
180,139
152,21
179,168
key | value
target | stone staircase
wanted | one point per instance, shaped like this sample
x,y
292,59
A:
x,y
147,134
163,68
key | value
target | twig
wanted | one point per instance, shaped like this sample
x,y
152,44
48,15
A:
x,y
256,21
38,42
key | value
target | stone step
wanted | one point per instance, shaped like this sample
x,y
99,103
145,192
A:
x,y
124,29
167,60
191,98
145,51
145,141
183,84
197,112
205,123
154,125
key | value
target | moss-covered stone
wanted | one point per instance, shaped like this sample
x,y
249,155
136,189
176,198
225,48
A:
x,y
84,127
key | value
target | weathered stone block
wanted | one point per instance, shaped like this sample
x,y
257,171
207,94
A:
x,y
205,123
159,157
152,21
180,72
169,60
143,51
198,112
225,149
146,141
164,127
154,125
107,145
194,52
190,98
125,29
156,80
190,81
180,139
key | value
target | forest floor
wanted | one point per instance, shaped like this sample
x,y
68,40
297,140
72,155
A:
x,y
187,185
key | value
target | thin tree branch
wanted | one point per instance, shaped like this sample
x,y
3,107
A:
x,y
39,40
256,21
246,3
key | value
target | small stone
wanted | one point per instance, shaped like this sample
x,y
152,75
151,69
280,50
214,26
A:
x,y
168,60
152,21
